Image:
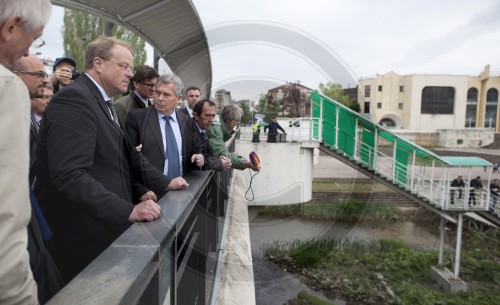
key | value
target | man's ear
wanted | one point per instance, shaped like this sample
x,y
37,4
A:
x,y
9,27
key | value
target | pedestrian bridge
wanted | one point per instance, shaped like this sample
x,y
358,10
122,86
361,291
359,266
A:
x,y
198,251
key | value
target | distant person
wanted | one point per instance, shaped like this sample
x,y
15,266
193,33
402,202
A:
x,y
64,72
168,138
495,167
21,25
193,95
204,114
141,92
89,175
494,191
475,185
456,184
220,132
273,130
256,131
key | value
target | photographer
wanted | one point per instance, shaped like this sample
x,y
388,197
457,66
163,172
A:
x,y
64,72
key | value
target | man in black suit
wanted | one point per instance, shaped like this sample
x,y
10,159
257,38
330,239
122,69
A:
x,y
149,128
141,92
193,95
204,114
87,169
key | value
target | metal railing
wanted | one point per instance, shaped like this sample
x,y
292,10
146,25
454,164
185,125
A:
x,y
399,161
167,261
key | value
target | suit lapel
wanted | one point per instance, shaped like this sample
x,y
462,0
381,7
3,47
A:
x,y
154,124
100,101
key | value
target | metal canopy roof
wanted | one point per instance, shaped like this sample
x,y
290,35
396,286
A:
x,y
466,161
172,27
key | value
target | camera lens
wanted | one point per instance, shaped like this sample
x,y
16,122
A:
x,y
75,74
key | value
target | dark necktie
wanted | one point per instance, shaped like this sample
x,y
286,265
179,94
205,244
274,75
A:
x,y
172,151
35,123
203,140
114,117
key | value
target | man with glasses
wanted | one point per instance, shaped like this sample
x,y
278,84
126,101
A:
x,y
31,70
90,178
141,92
21,23
220,132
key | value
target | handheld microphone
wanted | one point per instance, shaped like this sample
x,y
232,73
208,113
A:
x,y
254,158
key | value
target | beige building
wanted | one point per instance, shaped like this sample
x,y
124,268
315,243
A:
x,y
432,102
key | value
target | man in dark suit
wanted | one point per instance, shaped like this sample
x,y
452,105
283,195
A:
x,y
141,92
204,114
193,95
150,128
87,169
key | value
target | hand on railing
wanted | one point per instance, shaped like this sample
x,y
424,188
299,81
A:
x,y
177,183
145,211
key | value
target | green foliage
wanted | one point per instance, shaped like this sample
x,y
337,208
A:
x,y
270,110
363,271
81,28
335,92
247,115
346,210
306,298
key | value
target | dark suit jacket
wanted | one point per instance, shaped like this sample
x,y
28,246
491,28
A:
x,y
185,111
143,127
33,144
127,103
84,167
211,162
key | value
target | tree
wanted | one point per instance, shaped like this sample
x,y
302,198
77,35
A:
x,y
269,109
80,29
247,115
335,92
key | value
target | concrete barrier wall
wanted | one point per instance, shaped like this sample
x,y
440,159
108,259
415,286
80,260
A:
x,y
286,174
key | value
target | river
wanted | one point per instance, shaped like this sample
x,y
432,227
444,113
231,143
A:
x,y
275,286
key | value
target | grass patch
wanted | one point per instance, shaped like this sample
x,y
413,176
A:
x,y
346,210
306,298
331,185
366,272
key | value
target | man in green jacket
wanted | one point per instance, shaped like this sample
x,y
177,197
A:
x,y
220,132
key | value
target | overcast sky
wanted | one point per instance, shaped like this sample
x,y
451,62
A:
x,y
364,37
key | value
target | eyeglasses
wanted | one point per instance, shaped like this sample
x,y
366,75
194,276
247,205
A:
x,y
38,43
47,97
124,67
150,86
237,122
40,74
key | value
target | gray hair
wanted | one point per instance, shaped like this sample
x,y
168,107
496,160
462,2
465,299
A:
x,y
172,79
34,13
231,112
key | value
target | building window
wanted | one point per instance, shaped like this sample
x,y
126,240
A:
x,y
490,115
400,106
471,108
379,105
367,91
379,88
401,88
438,100
367,107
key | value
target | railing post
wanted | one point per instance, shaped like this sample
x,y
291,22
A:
x,y
441,241
458,245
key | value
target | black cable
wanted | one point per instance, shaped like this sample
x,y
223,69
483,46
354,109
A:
x,y
250,186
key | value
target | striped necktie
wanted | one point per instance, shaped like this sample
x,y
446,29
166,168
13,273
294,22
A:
x,y
114,116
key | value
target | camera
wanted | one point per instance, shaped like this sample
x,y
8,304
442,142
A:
x,y
75,74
